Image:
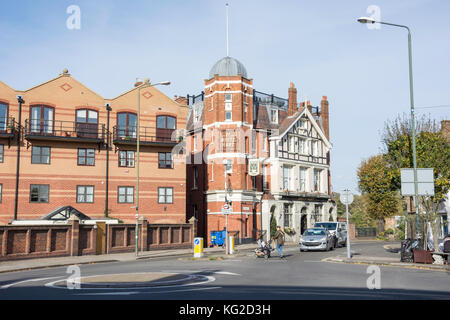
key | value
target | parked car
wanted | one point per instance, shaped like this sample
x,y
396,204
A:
x,y
337,229
316,239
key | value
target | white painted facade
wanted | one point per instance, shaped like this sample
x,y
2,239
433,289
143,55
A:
x,y
299,178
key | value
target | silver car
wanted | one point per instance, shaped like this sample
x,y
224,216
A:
x,y
337,229
316,239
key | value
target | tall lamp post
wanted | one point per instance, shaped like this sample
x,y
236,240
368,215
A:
x,y
146,84
367,20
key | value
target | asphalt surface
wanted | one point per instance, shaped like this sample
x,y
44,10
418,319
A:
x,y
299,276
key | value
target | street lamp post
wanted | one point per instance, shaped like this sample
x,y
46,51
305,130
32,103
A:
x,y
367,20
146,84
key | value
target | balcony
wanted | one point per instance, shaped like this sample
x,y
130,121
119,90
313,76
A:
x,y
311,195
150,136
7,128
37,129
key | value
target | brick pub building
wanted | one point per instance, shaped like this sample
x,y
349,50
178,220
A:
x,y
229,126
66,133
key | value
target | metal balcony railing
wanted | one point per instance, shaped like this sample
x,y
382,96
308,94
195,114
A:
x,y
261,98
69,130
150,135
7,126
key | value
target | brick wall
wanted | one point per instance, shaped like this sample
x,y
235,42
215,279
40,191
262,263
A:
x,y
24,242
73,239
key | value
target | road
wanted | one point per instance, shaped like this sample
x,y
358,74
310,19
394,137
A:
x,y
300,276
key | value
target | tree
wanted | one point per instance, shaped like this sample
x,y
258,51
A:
x,y
358,212
375,178
433,151
273,225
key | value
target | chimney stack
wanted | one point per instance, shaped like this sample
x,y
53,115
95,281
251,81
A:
x,y
292,99
325,116
309,106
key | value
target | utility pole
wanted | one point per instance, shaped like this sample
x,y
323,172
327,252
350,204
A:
x,y
347,198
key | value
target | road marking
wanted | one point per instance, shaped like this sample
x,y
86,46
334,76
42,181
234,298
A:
x,y
29,280
144,292
208,280
227,273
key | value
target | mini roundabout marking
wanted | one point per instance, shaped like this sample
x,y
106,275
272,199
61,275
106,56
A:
x,y
135,283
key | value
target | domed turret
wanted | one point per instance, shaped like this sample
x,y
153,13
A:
x,y
228,66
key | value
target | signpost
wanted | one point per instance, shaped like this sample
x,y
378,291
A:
x,y
226,210
425,181
347,198
425,187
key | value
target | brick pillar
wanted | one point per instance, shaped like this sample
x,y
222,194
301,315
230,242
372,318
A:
x,y
74,241
193,221
4,243
292,99
28,242
108,238
48,247
143,236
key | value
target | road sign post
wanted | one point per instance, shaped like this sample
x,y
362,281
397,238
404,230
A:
x,y
226,210
347,198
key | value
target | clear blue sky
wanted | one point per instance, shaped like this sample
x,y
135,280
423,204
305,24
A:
x,y
316,44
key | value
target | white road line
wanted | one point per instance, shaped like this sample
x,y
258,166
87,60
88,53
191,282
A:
x,y
29,280
227,273
145,292
208,280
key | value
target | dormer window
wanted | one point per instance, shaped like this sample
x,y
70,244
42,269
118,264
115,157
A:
x,y
274,116
197,115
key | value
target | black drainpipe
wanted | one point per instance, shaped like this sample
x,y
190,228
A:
x,y
16,200
108,108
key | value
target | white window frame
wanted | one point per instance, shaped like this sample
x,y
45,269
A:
x,y
126,194
274,115
287,180
82,197
302,179
292,143
164,196
317,180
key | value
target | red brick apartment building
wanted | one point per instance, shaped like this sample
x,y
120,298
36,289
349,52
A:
x,y
231,126
65,148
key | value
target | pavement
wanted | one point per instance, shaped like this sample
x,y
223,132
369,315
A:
x,y
390,256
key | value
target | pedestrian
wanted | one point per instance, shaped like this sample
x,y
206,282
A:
x,y
279,238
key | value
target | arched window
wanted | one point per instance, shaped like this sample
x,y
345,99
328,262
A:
x,y
165,126
87,123
126,124
42,119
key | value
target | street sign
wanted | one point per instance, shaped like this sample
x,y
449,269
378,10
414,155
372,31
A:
x,y
226,209
346,198
198,247
425,181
